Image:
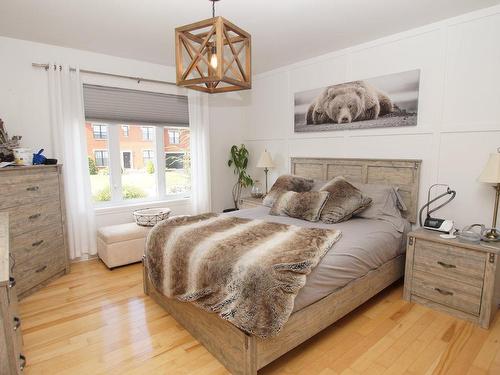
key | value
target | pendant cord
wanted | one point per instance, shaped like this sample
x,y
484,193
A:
x,y
213,8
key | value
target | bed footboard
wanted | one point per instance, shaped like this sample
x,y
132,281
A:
x,y
243,354
235,349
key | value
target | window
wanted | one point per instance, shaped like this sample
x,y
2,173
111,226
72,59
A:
x,y
100,131
127,155
101,158
147,133
147,155
174,137
177,161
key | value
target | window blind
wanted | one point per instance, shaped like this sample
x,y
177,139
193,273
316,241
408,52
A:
x,y
134,107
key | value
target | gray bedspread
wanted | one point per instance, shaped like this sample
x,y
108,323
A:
x,y
366,244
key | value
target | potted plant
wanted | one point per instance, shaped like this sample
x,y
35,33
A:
x,y
239,161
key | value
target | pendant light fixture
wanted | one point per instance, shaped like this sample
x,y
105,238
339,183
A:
x,y
213,55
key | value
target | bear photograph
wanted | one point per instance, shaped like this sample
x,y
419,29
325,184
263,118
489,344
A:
x,y
385,101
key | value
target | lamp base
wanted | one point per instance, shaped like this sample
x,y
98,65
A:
x,y
491,236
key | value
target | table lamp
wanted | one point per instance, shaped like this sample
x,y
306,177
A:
x,y
265,162
491,175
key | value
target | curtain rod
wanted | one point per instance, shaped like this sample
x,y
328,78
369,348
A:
x,y
138,79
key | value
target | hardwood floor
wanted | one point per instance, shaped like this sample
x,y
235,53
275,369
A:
x,y
96,321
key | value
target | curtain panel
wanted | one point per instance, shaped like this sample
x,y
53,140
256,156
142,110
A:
x,y
69,144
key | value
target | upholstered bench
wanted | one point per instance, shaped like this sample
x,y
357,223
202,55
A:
x,y
121,244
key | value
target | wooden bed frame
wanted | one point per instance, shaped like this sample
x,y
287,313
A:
x,y
244,354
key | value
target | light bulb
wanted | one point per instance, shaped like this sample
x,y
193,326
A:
x,y
213,61
213,58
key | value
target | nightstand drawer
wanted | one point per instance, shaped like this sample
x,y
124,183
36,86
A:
x,y
457,295
465,266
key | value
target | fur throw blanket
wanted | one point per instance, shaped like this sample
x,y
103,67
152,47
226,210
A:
x,y
247,271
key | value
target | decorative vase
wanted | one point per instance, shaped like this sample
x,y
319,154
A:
x,y
257,191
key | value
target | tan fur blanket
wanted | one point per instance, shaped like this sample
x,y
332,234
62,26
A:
x,y
247,271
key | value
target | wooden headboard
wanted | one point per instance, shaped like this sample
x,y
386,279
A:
x,y
405,174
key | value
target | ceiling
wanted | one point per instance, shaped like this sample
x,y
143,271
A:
x,y
283,31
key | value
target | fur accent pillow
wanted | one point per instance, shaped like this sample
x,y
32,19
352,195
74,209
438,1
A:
x,y
306,206
286,183
345,201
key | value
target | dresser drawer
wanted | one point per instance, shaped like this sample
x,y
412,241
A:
x,y
465,266
39,266
21,189
457,295
24,219
46,240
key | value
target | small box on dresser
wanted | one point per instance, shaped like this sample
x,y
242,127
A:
x,y
34,198
461,279
12,361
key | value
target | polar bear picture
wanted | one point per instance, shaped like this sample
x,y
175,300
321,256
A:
x,y
386,101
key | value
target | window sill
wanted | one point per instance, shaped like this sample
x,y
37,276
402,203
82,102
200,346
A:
x,y
127,207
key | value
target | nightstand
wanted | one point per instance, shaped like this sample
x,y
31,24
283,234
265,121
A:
x,y
249,202
460,279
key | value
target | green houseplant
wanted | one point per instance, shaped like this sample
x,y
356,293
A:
x,y
239,161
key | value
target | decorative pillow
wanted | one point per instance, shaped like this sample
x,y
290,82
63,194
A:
x,y
306,206
345,201
386,204
286,183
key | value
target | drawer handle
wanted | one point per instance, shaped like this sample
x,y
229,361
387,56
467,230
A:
x,y
37,243
32,188
35,216
446,265
17,323
443,292
41,269
22,362
12,282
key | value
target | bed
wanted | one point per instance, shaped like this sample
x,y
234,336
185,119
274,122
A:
x,y
324,299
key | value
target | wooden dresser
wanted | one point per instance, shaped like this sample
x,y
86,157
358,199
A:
x,y
12,361
34,198
461,279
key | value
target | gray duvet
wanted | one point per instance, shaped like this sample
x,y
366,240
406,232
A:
x,y
366,244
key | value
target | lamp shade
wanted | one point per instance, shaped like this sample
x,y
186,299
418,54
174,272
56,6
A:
x,y
265,160
491,172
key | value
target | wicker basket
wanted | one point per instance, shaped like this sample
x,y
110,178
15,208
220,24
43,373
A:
x,y
148,217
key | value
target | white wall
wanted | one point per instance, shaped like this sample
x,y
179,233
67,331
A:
x,y
459,108
24,105
226,129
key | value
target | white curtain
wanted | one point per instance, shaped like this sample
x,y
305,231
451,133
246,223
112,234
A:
x,y
200,152
69,145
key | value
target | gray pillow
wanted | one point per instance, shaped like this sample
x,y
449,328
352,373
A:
x,y
286,183
306,205
345,201
386,204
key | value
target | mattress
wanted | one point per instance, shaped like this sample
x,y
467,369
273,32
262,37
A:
x,y
366,244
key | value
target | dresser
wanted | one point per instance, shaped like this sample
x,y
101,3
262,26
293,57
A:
x,y
460,279
12,361
33,197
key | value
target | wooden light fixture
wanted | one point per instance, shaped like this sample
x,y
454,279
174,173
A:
x,y
213,56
